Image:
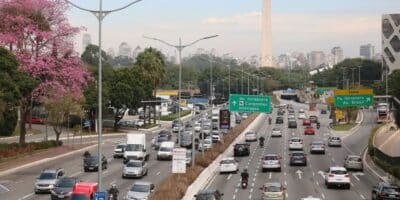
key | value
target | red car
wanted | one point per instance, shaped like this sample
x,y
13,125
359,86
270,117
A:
x,y
309,130
35,120
83,191
306,122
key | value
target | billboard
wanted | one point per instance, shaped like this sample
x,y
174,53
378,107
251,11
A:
x,y
224,119
391,41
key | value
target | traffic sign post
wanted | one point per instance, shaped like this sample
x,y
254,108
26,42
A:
x,y
179,161
354,100
249,103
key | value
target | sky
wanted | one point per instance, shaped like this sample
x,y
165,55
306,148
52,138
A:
x,y
297,25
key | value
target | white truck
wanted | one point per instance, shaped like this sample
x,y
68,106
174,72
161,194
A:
x,y
165,151
136,147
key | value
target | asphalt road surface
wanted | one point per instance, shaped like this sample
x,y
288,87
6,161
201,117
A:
x,y
301,181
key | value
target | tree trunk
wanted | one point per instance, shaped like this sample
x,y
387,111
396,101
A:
x,y
25,110
57,130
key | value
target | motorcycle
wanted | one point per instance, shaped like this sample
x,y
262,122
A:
x,y
318,126
261,143
269,121
111,197
244,183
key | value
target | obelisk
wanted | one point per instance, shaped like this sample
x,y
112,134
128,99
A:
x,y
266,34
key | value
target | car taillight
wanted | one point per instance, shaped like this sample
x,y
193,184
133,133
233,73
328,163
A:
x,y
347,175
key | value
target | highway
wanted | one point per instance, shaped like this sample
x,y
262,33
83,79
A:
x,y
301,181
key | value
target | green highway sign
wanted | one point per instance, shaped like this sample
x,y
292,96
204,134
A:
x,y
249,103
354,100
324,90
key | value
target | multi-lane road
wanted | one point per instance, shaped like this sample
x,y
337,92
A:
x,y
301,182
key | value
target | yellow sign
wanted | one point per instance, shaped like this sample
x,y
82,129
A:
x,y
167,92
339,114
353,92
183,102
329,100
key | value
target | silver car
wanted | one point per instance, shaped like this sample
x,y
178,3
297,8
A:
x,y
273,191
317,146
135,168
251,136
334,141
353,162
140,190
47,179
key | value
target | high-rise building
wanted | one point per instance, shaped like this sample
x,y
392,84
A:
x,y
391,41
337,55
316,59
124,50
367,51
136,52
283,60
86,40
266,35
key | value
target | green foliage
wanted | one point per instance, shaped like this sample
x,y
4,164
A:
x,y
9,122
11,150
343,127
91,56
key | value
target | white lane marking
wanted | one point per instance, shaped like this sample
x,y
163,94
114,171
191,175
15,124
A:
x,y
352,185
284,173
250,196
287,195
316,182
356,177
362,197
76,173
323,196
285,183
270,175
299,172
322,174
27,196
229,177
5,189
158,173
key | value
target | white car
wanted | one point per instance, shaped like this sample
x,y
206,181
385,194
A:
x,y
251,136
317,146
215,137
273,191
276,132
295,143
337,176
271,162
165,151
207,144
197,127
119,151
135,168
302,116
228,165
310,198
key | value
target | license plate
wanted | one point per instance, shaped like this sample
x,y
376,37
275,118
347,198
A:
x,y
392,196
60,196
91,167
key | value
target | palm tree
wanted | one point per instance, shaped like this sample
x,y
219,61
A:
x,y
152,64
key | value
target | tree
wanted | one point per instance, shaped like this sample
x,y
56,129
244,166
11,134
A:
x,y
39,34
151,62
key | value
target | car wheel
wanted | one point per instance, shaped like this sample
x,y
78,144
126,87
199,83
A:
x,y
263,170
147,171
123,176
85,170
279,169
348,187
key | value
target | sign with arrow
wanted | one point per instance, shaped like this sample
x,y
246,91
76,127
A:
x,y
299,172
249,103
354,100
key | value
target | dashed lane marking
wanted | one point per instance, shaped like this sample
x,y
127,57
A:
x,y
3,189
323,196
158,173
229,177
26,196
362,197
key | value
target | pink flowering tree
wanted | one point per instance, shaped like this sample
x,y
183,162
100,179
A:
x,y
39,34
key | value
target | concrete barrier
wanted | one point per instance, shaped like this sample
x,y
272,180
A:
x,y
208,173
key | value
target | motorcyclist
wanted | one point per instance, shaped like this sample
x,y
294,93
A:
x,y
244,175
318,125
261,139
86,154
269,120
114,192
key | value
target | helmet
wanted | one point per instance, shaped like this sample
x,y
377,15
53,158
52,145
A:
x,y
113,185
245,170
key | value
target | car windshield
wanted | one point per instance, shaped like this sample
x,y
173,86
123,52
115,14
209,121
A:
x,y
335,138
47,176
317,143
207,141
391,189
165,149
338,172
134,147
162,139
120,146
271,158
134,164
208,196
250,133
272,189
354,159
66,182
140,188
276,129
78,197
295,140
227,161
297,154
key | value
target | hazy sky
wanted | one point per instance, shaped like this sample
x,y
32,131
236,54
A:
x,y
297,25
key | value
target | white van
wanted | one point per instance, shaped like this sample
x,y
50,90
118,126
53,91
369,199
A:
x,y
165,151
136,147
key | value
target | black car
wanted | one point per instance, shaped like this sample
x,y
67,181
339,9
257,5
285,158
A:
x,y
292,124
63,188
279,120
165,133
298,158
91,163
209,194
241,149
313,119
385,191
323,112
281,112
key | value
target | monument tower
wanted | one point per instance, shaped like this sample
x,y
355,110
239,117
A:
x,y
266,35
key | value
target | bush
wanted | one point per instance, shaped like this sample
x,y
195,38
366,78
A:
x,y
8,124
175,185
8,150
174,116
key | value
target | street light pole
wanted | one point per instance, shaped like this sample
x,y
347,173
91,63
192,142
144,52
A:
x,y
248,84
211,84
229,80
100,15
359,75
242,78
180,48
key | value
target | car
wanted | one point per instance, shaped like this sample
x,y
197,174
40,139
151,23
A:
x,y
291,111
140,190
165,133
91,163
281,112
135,168
310,198
306,122
298,158
353,162
244,115
291,117
186,139
35,120
279,120
197,126
313,119
228,165
83,191
334,141
271,162
165,151
295,143
158,140
209,194
250,136
238,119
47,179
207,144
309,130
241,149
302,116
119,151
188,157
385,191
276,132
337,176
273,191
63,188
215,137
323,112
292,124
317,146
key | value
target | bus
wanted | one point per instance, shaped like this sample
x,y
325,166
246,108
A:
x,y
383,112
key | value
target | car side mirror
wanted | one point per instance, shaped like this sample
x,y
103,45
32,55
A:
x,y
144,150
